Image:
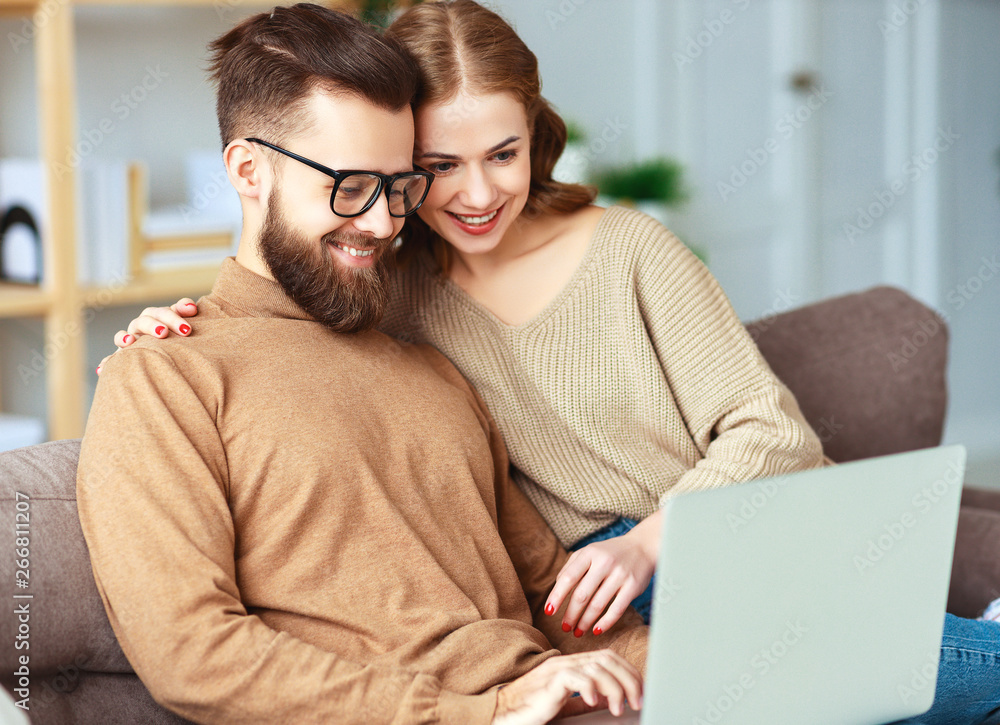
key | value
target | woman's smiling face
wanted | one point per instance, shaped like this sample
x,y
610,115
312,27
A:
x,y
478,149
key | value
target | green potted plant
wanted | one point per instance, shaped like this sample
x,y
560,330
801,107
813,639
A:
x,y
653,186
658,180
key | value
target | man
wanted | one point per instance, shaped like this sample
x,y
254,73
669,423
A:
x,y
292,517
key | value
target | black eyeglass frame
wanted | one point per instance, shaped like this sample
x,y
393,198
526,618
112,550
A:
x,y
385,181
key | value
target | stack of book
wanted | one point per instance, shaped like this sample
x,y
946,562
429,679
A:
x,y
118,238
203,230
102,255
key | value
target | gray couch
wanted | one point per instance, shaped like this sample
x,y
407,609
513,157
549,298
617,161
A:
x,y
868,370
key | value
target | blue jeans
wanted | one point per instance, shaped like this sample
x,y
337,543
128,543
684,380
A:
x,y
968,678
968,684
642,603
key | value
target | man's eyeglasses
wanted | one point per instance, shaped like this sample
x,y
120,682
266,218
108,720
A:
x,y
355,192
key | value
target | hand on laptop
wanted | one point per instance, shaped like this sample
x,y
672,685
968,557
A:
x,y
606,575
602,678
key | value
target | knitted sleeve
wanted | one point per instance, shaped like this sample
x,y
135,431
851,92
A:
x,y
744,422
538,557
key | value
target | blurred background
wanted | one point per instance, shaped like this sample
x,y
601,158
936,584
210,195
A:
x,y
804,148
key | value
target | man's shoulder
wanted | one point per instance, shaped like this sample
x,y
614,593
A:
x,y
441,367
433,359
212,340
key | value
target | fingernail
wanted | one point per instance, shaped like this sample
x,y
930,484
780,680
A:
x,y
190,304
127,340
159,330
550,610
566,627
98,369
185,329
577,632
598,631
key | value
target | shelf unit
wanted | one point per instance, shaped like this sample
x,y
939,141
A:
x,y
60,300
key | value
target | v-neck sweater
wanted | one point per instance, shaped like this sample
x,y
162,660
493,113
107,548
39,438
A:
x,y
291,525
635,383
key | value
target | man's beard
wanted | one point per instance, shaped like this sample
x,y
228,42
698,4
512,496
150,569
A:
x,y
342,298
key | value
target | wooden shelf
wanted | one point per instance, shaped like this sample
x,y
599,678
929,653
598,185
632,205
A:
x,y
17,8
154,286
61,300
23,301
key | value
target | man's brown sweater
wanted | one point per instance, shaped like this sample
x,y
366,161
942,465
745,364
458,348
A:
x,y
292,525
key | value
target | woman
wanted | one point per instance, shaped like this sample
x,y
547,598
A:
x,y
611,360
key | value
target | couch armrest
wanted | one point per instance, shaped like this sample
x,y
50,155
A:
x,y
867,369
68,627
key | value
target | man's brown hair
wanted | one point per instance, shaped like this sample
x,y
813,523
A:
x,y
268,65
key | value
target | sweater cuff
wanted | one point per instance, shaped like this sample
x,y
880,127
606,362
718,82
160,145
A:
x,y
472,709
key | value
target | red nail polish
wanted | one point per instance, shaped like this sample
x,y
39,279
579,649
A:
x,y
550,610
185,329
190,304
577,632
98,369
159,330
127,340
566,627
598,631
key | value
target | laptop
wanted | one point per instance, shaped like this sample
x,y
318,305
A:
x,y
817,597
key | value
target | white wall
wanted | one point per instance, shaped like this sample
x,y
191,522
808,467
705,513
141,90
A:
x,y
610,66
970,223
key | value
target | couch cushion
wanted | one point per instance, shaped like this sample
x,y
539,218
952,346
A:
x,y
867,369
67,626
97,699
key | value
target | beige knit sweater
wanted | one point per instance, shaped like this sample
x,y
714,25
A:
x,y
288,525
636,383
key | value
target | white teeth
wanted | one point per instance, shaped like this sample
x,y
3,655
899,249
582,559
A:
x,y
356,252
477,219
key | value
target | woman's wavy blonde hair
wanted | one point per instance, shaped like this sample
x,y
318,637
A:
x,y
460,45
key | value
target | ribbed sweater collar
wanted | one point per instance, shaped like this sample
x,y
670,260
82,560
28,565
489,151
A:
x,y
254,295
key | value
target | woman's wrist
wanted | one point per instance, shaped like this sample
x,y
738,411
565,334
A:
x,y
646,535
